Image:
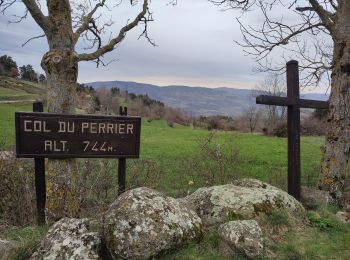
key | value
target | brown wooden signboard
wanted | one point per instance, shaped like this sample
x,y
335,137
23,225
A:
x,y
77,136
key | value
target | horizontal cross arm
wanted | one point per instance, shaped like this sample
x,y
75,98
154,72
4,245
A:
x,y
285,101
274,100
308,103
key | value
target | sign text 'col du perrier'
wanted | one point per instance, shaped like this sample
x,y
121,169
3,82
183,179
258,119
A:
x,y
63,136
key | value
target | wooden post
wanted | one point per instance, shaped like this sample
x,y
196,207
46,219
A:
x,y
122,161
293,123
40,183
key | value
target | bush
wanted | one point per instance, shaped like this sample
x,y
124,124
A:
x,y
308,126
313,126
324,223
280,130
17,192
214,123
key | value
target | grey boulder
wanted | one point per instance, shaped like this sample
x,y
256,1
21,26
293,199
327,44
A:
x,y
142,222
245,199
242,237
69,238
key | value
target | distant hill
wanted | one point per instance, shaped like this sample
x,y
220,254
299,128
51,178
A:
x,y
195,100
16,89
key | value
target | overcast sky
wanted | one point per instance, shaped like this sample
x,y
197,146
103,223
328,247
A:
x,y
195,47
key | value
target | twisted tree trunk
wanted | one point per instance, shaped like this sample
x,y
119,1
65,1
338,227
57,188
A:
x,y
60,64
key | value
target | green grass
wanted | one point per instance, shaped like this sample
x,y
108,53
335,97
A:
x,y
16,89
311,243
206,249
26,239
11,92
261,157
7,122
323,237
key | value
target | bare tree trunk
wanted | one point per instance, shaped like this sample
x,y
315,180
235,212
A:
x,y
61,67
336,151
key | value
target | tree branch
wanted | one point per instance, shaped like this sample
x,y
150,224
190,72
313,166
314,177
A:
x,y
325,16
112,43
235,4
6,4
32,38
86,20
37,15
303,9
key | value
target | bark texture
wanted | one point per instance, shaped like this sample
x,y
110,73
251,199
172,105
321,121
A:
x,y
61,67
336,151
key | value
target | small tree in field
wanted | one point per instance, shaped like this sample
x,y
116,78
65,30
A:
x,y
252,115
317,34
64,24
272,85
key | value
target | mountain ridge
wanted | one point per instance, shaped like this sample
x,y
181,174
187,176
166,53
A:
x,y
195,100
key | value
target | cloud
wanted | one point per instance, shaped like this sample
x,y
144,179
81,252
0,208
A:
x,y
195,46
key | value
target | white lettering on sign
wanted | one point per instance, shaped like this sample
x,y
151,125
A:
x,y
101,128
97,146
107,128
26,127
93,128
66,127
55,146
121,128
130,129
35,126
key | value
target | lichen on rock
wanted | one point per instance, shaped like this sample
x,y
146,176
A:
x,y
215,204
142,222
241,237
7,249
69,238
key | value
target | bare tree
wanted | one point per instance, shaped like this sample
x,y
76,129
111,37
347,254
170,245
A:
x,y
64,23
253,115
318,35
105,97
249,120
272,85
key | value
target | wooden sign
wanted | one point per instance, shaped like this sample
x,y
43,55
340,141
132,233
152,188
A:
x,y
77,136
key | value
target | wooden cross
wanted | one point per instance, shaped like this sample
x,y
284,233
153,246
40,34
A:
x,y
294,104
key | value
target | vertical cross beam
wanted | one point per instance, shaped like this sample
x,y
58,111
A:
x,y
40,183
293,122
122,161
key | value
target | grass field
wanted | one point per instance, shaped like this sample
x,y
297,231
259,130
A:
x,y
181,155
7,122
258,156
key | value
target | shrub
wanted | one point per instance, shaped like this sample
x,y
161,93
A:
x,y
214,164
324,223
313,126
280,130
17,192
308,126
